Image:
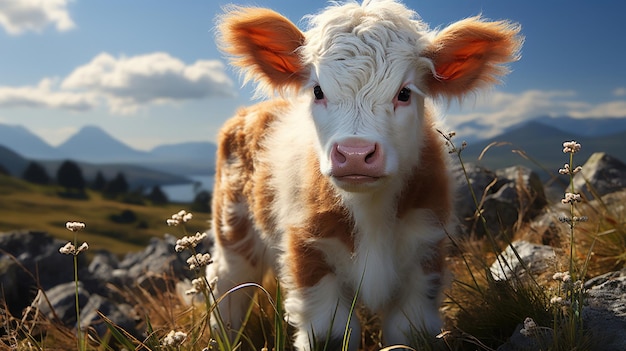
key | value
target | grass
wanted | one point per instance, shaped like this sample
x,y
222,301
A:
x,y
36,207
481,312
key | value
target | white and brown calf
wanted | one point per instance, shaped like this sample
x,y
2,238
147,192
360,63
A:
x,y
342,185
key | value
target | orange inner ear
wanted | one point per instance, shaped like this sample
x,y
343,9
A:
x,y
263,45
274,52
465,59
470,54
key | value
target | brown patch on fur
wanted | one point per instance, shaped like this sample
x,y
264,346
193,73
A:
x,y
429,185
306,263
469,54
328,218
240,142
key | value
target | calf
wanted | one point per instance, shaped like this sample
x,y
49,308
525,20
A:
x,y
341,185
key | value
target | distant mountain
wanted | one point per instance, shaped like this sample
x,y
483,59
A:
x,y
14,163
136,176
590,127
542,144
92,144
27,144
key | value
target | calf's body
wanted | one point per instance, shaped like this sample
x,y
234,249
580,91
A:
x,y
341,186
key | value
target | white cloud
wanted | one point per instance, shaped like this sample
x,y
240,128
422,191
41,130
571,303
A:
x,y
619,92
19,16
125,84
495,112
611,109
130,82
46,95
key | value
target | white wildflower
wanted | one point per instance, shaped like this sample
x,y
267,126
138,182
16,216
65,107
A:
x,y
529,327
571,147
197,286
556,300
68,249
189,241
562,276
566,277
565,169
181,216
570,198
199,260
83,247
174,339
75,226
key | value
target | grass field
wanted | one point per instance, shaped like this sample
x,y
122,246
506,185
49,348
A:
x,y
34,207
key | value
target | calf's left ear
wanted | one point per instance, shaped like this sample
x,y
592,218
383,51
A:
x,y
470,54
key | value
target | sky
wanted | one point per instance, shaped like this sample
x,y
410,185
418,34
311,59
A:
x,y
148,71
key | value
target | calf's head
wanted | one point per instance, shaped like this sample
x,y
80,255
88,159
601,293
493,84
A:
x,y
364,72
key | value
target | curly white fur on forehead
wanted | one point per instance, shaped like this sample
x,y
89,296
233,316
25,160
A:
x,y
362,47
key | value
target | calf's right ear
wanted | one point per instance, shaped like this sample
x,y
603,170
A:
x,y
263,46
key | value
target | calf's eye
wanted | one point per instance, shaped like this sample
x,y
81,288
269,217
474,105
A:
x,y
404,95
319,94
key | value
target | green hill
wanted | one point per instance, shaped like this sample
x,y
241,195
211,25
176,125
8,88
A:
x,y
28,206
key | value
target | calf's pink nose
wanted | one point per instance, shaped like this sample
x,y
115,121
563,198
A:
x,y
358,158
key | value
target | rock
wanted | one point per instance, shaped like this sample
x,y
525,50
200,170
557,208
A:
x,y
158,257
510,195
605,313
538,259
62,300
27,256
518,342
62,306
529,188
102,283
604,173
120,314
102,265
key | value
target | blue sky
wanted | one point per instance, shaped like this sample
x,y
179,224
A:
x,y
69,63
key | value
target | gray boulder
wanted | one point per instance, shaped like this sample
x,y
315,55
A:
x,y
509,195
30,260
604,174
605,313
24,255
62,302
537,258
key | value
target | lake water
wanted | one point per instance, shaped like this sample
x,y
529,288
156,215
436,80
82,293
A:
x,y
187,192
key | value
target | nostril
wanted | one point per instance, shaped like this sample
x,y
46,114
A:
x,y
337,155
371,157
